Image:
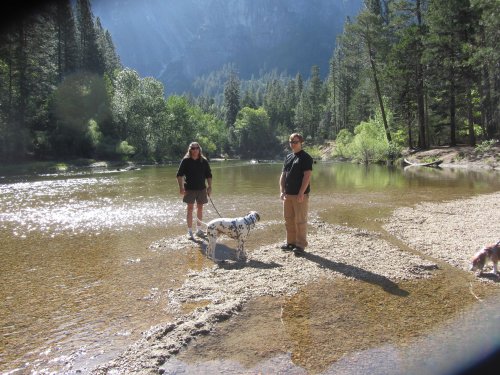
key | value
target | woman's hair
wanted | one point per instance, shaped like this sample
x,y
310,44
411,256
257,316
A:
x,y
298,135
189,150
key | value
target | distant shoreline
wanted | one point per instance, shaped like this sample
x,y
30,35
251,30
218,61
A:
x,y
464,157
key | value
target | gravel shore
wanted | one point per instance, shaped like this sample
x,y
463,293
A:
x,y
449,231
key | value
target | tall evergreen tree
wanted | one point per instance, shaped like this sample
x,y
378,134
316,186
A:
x,y
107,49
450,27
486,56
91,57
422,136
231,99
370,31
317,100
67,47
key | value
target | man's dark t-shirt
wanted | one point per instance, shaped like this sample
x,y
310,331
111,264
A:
x,y
294,167
195,171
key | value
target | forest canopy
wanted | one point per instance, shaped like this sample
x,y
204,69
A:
x,y
402,74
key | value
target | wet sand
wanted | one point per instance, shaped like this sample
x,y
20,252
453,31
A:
x,y
386,289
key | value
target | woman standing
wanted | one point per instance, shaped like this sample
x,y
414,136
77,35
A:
x,y
193,170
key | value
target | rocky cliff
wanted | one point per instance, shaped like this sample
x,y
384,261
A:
x,y
176,41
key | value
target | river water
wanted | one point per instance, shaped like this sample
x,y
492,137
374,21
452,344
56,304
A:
x,y
80,281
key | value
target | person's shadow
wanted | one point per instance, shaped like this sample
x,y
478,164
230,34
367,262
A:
x,y
358,273
226,253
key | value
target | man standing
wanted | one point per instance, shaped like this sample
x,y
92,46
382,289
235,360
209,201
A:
x,y
294,189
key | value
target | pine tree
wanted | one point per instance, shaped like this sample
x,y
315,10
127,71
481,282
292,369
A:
x,y
91,57
370,31
231,98
451,24
67,47
317,100
486,56
107,49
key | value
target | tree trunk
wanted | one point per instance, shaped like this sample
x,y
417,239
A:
x,y
453,110
379,94
420,86
410,136
470,118
20,146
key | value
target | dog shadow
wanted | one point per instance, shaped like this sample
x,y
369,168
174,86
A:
x,y
226,253
489,276
358,273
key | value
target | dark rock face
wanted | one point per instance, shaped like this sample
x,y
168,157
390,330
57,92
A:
x,y
176,41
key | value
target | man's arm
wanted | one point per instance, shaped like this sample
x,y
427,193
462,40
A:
x,y
282,185
305,182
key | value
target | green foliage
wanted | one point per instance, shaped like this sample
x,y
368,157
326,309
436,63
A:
x,y
231,99
392,152
377,97
93,134
343,143
211,132
485,146
254,135
125,150
314,151
367,145
79,106
138,107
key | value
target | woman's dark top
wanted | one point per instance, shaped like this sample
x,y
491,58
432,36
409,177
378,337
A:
x,y
195,171
294,167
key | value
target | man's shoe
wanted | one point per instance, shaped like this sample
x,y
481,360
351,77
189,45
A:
x,y
298,251
200,233
287,247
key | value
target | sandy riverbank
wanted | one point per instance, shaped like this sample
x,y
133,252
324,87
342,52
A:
x,y
449,232
465,157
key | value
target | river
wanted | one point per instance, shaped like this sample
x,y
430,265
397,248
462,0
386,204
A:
x,y
80,280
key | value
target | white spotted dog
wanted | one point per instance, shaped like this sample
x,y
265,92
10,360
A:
x,y
490,252
237,228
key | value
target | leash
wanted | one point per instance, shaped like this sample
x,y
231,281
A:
x,y
202,222
209,197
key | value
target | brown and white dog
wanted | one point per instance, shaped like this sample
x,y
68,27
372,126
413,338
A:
x,y
237,228
490,252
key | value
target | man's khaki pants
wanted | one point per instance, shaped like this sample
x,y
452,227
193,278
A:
x,y
295,215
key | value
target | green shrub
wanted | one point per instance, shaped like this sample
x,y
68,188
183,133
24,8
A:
x,y
125,150
343,144
369,144
314,151
485,146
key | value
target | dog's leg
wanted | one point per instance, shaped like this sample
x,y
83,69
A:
x,y
214,245
212,239
241,254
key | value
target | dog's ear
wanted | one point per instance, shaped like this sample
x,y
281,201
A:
x,y
257,216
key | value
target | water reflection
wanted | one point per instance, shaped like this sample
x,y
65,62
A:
x,y
80,282
81,205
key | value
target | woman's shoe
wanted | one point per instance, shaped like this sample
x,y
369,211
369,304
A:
x,y
287,247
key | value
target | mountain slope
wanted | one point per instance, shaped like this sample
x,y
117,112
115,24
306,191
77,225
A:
x,y
176,41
